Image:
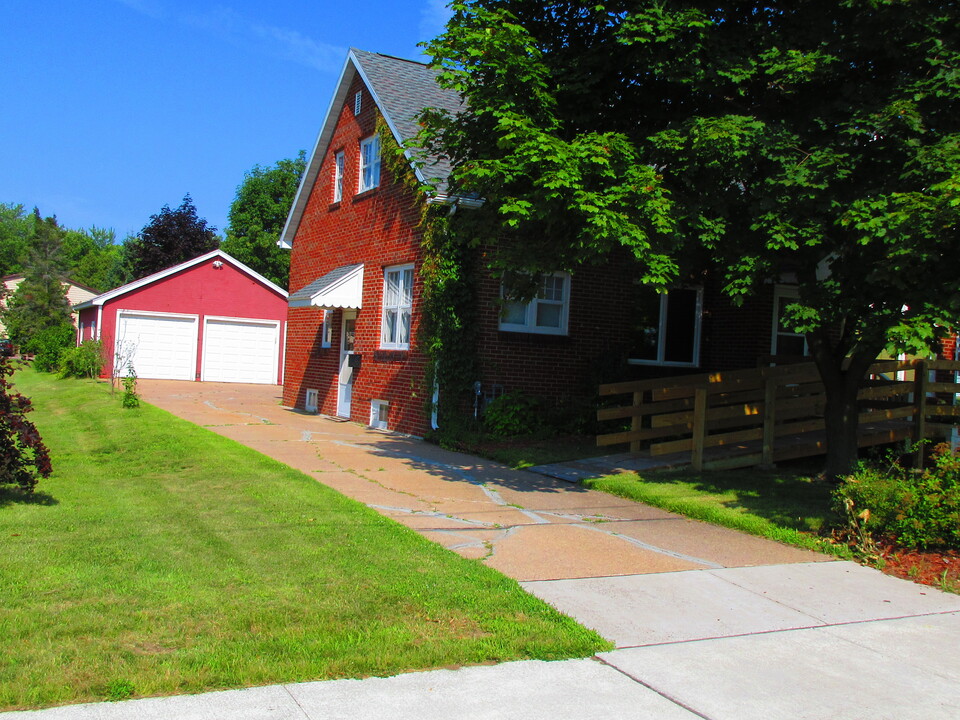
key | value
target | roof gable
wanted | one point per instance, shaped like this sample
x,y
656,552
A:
x,y
158,276
401,89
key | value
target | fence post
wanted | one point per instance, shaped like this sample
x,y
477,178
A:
x,y
920,410
699,428
769,421
636,423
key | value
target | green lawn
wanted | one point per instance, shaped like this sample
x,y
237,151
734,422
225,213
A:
x,y
161,558
786,504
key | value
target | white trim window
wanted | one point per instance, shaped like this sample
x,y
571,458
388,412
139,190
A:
x,y
397,307
326,333
545,314
785,341
338,177
369,163
667,330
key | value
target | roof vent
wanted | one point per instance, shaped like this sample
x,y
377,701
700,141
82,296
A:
x,y
357,102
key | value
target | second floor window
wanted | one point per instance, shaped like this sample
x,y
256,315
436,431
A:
x,y
338,177
369,163
397,307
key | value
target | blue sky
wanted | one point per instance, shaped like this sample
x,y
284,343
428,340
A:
x,y
112,109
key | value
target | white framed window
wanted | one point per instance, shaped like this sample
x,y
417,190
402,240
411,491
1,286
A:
x,y
546,314
338,177
379,412
784,340
667,327
397,307
312,402
369,163
326,333
357,102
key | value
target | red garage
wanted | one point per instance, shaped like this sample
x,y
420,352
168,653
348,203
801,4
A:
x,y
211,318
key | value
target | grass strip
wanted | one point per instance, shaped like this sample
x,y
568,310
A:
x,y
161,558
782,505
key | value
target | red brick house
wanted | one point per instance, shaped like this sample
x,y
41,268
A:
x,y
210,318
354,306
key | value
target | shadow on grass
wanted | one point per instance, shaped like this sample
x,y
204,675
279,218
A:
x,y
788,497
16,496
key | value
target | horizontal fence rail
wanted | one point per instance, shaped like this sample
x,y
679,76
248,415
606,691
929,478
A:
x,y
760,416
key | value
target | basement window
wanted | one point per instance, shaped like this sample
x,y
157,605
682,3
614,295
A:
x,y
379,411
312,402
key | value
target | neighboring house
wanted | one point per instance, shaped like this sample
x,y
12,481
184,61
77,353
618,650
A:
x,y
355,287
75,294
210,318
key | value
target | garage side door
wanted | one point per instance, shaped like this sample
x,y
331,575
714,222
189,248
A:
x,y
244,351
160,346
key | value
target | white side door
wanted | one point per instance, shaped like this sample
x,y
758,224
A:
x,y
348,332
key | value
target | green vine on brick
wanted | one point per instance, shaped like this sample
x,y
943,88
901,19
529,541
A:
x,y
447,331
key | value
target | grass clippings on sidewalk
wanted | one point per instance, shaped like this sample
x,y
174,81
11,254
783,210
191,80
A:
x,y
161,558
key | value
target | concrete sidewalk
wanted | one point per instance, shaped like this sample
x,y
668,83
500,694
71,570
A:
x,y
708,623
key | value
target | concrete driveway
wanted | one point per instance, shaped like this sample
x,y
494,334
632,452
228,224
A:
x,y
708,622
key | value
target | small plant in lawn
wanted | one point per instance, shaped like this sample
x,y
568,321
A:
x,y
23,456
119,690
131,399
84,361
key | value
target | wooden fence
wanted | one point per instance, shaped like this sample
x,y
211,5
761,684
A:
x,y
761,416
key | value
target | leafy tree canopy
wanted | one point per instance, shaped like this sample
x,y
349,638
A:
x,y
15,230
258,214
171,237
818,141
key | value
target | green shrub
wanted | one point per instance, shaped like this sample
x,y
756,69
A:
x,y
917,509
48,344
84,361
514,414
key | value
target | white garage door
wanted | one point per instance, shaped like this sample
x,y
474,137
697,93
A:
x,y
160,346
244,351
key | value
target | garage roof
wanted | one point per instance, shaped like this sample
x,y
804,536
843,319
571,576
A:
x,y
157,276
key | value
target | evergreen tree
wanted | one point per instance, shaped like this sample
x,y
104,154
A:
x,y
39,302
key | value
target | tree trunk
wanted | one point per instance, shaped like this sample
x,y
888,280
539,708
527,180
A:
x,y
842,368
840,417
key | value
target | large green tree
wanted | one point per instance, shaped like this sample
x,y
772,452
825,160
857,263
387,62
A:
x,y
15,230
39,303
90,255
811,140
258,214
171,237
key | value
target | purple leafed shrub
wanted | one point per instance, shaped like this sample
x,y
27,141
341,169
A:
x,y
23,456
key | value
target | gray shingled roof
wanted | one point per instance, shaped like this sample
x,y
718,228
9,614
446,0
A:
x,y
403,89
308,292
